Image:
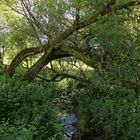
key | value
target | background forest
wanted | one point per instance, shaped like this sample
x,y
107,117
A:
x,y
76,55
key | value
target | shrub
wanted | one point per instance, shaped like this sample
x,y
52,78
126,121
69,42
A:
x,y
115,115
27,111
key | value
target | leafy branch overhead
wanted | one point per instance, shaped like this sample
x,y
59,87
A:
x,y
103,34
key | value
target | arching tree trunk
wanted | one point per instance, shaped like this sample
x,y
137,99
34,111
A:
x,y
37,67
49,55
20,57
56,53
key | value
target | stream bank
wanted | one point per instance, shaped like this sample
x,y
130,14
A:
x,y
70,117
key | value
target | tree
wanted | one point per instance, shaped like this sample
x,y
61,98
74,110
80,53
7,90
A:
x,y
65,28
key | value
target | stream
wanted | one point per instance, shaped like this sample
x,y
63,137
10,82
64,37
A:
x,y
69,120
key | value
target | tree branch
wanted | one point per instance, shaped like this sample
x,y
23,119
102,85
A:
x,y
21,56
55,44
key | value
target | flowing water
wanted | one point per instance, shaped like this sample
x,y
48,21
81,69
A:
x,y
68,121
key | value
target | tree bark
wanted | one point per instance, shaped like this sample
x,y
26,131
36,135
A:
x,y
35,69
51,54
56,53
20,57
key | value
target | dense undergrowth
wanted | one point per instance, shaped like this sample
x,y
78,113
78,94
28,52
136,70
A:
x,y
114,115
27,111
